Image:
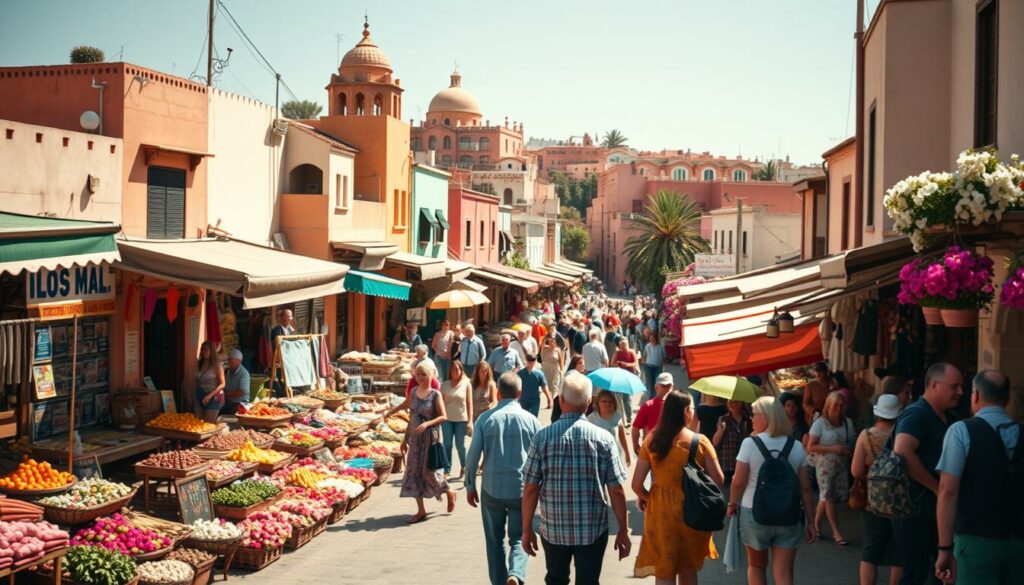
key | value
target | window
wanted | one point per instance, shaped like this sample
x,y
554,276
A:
x,y
466,160
378,105
709,174
638,206
506,197
465,143
360,104
739,175
846,215
340,190
744,243
483,242
679,174
432,143
469,233
165,203
643,171
716,241
447,122
870,203
342,104
485,143
446,159
447,143
986,72
405,208
425,228
398,209
730,241
494,232
306,178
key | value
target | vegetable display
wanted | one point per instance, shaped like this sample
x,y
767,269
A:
x,y
305,478
92,565
88,493
116,533
12,510
215,530
263,409
235,439
169,571
299,438
194,558
186,422
245,493
32,475
270,529
173,460
24,542
253,454
220,469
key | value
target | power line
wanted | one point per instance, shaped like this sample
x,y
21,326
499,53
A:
x,y
238,28
206,37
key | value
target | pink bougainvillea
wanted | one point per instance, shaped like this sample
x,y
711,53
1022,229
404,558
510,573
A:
x,y
673,307
1012,295
959,280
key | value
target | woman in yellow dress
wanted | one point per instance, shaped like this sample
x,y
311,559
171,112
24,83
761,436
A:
x,y
670,548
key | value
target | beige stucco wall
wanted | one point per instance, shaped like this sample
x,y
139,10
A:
x,y
842,168
42,176
244,176
769,235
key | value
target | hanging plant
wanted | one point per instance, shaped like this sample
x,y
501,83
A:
x,y
959,280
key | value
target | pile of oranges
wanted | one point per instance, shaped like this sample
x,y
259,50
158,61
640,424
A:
x,y
32,475
181,422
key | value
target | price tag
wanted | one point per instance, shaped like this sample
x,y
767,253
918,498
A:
x,y
194,499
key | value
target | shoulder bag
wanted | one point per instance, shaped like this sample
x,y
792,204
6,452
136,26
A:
x,y
437,457
703,504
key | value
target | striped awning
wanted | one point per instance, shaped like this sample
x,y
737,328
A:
x,y
33,243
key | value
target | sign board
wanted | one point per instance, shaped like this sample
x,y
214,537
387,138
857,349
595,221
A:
x,y
194,499
359,385
43,377
66,292
86,466
167,396
44,350
711,265
417,315
324,455
131,353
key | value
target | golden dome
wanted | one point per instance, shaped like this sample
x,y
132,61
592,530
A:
x,y
366,53
455,99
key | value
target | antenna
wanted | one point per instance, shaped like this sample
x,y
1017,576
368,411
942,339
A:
x,y
337,41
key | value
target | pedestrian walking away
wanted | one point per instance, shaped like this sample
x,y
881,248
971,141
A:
x,y
650,412
458,404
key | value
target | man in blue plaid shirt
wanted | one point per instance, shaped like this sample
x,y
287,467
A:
x,y
569,466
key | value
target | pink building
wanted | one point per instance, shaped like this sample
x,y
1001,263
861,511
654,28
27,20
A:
x,y
474,219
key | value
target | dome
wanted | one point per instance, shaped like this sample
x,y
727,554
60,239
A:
x,y
366,53
455,99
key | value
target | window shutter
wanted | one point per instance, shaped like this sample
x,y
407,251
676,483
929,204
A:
x,y
156,211
165,203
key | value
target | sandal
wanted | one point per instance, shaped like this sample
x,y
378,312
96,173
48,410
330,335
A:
x,y
416,519
841,542
452,497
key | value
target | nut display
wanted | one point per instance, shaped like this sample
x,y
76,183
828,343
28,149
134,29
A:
x,y
88,493
235,439
251,453
173,460
32,475
245,493
169,571
194,558
186,422
215,530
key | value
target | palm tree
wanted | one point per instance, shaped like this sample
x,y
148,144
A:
x,y
669,237
614,139
767,172
300,109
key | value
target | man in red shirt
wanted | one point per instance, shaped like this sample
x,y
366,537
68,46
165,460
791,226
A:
x,y
649,413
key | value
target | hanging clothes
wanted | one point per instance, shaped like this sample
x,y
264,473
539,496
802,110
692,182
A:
x,y
826,329
17,350
325,358
841,356
865,337
266,352
149,299
173,296
212,320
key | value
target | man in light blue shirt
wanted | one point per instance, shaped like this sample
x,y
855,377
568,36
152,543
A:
x,y
505,358
471,350
502,436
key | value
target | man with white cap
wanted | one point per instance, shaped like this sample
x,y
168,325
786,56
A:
x,y
650,412
236,382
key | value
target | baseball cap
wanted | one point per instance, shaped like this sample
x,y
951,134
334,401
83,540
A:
x,y
235,354
664,379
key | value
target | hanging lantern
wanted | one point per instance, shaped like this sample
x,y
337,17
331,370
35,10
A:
x,y
773,326
785,322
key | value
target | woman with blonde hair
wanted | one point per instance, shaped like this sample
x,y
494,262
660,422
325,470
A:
x,y
772,433
830,444
427,412
458,403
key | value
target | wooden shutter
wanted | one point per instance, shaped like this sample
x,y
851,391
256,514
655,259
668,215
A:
x,y
165,203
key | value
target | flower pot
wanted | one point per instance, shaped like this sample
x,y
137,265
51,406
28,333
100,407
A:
x,y
932,315
960,317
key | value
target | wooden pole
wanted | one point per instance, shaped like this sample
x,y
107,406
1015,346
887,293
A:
x,y
209,48
71,409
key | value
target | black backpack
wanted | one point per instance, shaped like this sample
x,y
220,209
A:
x,y
777,493
704,504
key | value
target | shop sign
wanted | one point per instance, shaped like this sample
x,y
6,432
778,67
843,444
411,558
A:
x,y
66,292
711,265
417,315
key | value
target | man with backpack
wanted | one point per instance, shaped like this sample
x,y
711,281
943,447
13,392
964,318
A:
x,y
919,433
980,515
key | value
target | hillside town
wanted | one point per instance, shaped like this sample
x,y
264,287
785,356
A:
x,y
240,340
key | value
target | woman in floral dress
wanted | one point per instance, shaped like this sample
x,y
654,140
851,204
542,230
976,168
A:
x,y
427,412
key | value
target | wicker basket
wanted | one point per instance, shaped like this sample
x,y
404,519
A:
x,y
399,462
321,526
254,559
382,368
236,514
73,517
225,549
301,536
32,494
366,494
338,512
203,572
185,582
352,504
155,556
382,474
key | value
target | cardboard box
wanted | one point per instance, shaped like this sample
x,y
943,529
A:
x,y
135,406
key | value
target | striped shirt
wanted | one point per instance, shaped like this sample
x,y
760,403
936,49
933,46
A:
x,y
572,461
502,436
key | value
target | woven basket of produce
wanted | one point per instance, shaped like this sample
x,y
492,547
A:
x,y
169,572
73,516
214,547
254,559
382,368
352,504
366,494
300,536
34,480
338,511
200,561
382,469
321,526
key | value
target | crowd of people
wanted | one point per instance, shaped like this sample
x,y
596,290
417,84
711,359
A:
x,y
932,508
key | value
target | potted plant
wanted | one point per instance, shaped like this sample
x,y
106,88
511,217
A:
x,y
957,286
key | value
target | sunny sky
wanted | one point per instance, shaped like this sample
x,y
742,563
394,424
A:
x,y
746,77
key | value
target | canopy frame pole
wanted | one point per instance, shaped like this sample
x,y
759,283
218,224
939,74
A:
x,y
71,408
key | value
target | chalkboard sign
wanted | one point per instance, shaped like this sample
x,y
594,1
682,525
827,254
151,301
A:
x,y
324,456
194,499
359,385
86,466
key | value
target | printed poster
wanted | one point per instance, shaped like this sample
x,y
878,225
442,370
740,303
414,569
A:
x,y
45,386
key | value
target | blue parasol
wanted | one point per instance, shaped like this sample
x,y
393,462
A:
x,y
617,380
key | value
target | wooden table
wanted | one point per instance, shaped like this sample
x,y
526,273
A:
x,y
56,556
107,445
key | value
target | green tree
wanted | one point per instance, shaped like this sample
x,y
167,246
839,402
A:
x,y
669,236
766,172
515,260
575,242
570,214
86,54
614,139
300,109
575,193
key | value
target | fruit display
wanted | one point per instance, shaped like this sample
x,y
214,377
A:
x,y
117,533
32,475
330,395
235,439
327,434
192,557
242,494
91,565
88,493
215,530
182,421
186,459
167,571
351,487
251,453
305,477
305,507
264,409
296,438
269,529
24,542
220,470
364,477
12,510
321,495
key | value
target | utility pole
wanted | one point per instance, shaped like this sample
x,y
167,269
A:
x,y
209,48
739,231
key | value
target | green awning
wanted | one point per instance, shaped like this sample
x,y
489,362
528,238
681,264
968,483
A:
x,y
429,217
376,285
441,218
32,243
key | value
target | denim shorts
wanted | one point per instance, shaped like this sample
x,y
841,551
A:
x,y
761,537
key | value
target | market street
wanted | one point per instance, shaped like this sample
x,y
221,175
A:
x,y
374,544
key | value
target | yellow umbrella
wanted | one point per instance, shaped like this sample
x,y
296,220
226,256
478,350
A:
x,y
521,327
457,299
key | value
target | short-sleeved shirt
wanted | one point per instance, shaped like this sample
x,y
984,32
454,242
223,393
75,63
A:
x,y
573,461
957,442
236,385
920,421
649,414
751,455
708,416
654,354
595,356
472,351
504,360
532,383
844,434
733,436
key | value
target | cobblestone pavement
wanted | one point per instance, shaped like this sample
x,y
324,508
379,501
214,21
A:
x,y
375,545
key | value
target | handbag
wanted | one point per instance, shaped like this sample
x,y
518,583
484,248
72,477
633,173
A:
x,y
704,505
858,499
437,457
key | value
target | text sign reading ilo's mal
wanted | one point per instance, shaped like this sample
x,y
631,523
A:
x,y
77,283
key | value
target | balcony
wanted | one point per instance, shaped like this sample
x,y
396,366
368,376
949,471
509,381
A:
x,y
469,147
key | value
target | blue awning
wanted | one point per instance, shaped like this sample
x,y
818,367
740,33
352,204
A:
x,y
376,285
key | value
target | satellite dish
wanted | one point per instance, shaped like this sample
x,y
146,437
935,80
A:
x,y
90,120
